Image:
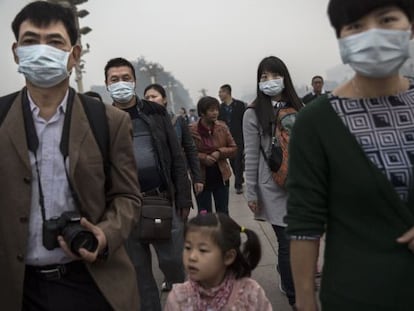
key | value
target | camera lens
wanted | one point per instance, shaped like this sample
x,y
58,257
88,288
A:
x,y
77,237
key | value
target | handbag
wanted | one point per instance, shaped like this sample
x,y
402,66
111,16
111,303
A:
x,y
155,221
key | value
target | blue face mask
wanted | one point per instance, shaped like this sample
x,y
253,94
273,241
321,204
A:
x,y
42,64
376,53
272,87
122,92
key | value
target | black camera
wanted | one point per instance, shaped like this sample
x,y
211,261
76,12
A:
x,y
68,225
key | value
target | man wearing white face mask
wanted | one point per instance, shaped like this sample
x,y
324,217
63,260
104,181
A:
x,y
53,181
162,173
351,169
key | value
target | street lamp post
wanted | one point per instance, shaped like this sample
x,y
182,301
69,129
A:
x,y
79,66
170,87
203,92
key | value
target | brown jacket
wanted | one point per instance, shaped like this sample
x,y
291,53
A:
x,y
116,212
223,142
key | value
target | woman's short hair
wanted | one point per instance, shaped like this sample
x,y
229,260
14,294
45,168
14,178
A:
x,y
205,103
344,12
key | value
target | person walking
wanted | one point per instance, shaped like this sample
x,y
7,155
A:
x,y
351,169
156,93
231,112
162,174
215,145
65,212
317,90
265,198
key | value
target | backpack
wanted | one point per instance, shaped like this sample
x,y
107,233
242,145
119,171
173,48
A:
x,y
278,158
96,114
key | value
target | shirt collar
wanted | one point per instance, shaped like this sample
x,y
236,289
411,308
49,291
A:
x,y
61,108
322,92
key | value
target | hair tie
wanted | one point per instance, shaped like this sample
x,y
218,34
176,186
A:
x,y
242,229
203,212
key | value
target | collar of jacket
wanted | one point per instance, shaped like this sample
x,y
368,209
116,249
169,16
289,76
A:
x,y
205,131
149,107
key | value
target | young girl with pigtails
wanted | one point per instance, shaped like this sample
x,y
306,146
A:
x,y
218,267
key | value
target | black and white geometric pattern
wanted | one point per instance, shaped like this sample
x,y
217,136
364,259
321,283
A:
x,y
384,127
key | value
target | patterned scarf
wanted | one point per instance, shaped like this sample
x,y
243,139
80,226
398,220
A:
x,y
213,298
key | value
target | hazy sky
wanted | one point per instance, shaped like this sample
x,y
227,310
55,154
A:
x,y
203,43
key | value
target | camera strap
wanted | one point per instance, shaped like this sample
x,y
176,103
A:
x,y
33,143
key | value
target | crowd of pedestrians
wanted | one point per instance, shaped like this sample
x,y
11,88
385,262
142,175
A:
x,y
88,189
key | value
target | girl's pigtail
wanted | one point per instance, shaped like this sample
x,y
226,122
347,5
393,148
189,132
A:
x,y
251,250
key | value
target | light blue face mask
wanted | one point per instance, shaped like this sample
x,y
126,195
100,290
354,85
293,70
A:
x,y
272,87
122,92
376,53
42,64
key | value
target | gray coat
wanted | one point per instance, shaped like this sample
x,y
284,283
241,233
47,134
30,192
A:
x,y
259,183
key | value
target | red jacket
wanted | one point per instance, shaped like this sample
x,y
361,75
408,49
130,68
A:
x,y
223,142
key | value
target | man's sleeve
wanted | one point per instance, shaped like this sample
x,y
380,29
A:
x,y
179,173
124,197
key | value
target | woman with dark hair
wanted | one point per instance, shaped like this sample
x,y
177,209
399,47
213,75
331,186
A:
x,y
156,93
351,169
215,145
265,198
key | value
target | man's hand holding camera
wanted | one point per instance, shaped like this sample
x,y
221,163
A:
x,y
84,254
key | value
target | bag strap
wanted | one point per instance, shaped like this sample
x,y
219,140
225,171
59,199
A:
x,y
96,114
98,121
263,153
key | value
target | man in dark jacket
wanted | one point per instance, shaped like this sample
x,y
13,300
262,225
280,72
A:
x,y
162,172
232,112
317,90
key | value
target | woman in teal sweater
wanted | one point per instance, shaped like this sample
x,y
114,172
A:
x,y
351,169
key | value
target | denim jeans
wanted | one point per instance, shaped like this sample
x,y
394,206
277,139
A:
x,y
283,257
221,199
169,254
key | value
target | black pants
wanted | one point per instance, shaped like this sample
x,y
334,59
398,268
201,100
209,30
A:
x,y
220,194
237,166
74,291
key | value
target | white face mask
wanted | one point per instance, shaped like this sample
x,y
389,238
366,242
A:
x,y
272,87
122,92
376,53
42,64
